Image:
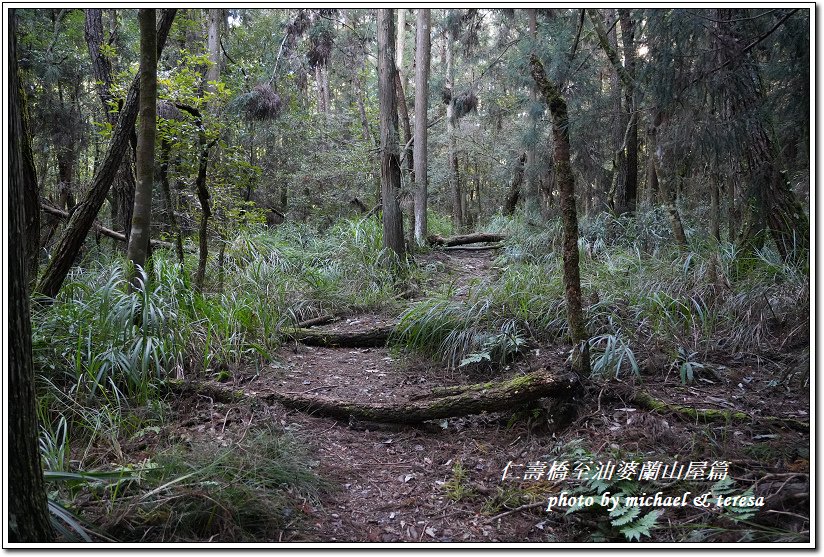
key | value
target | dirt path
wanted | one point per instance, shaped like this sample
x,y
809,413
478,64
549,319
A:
x,y
443,481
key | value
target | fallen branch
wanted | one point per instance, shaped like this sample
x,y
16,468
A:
x,y
464,239
371,338
648,402
102,229
497,397
321,320
517,510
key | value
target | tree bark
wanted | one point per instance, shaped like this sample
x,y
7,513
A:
x,y
451,124
422,60
436,240
28,517
390,159
28,175
214,19
531,190
371,338
83,218
515,186
138,249
631,100
123,189
566,185
460,401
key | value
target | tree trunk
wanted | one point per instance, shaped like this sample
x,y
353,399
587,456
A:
x,y
769,199
531,190
631,102
83,218
515,186
652,177
458,401
28,175
28,517
461,240
123,189
451,123
390,159
138,249
214,18
566,185
167,196
371,338
422,59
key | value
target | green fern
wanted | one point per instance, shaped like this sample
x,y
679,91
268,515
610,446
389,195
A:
x,y
641,527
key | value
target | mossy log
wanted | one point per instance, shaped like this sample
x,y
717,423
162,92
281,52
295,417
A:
x,y
436,240
370,338
473,399
648,402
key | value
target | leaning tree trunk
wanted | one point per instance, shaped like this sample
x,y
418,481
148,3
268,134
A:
x,y
390,159
28,517
83,217
138,249
422,56
566,185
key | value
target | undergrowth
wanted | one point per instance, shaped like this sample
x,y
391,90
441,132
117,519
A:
x,y
640,294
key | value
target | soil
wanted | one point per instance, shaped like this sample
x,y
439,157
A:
x,y
442,482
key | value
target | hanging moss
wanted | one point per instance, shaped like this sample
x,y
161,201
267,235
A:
x,y
262,103
465,103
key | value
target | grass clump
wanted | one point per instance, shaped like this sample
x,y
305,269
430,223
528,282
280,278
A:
x,y
254,491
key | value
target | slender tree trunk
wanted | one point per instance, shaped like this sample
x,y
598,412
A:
x,y
652,176
451,123
83,217
531,190
123,189
138,249
390,158
28,517
422,59
169,201
214,19
566,185
631,102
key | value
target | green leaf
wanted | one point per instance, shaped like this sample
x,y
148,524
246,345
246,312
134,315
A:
x,y
628,515
641,527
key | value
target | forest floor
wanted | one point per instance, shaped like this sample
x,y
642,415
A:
x,y
442,481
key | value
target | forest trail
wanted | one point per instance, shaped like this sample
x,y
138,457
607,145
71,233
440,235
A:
x,y
442,481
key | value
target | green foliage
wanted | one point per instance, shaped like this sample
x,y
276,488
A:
x,y
456,487
609,354
240,493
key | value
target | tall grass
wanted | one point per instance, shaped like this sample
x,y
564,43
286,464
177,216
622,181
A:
x,y
641,294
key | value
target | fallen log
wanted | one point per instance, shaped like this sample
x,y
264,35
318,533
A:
x,y
474,248
102,229
648,402
464,239
474,399
371,338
